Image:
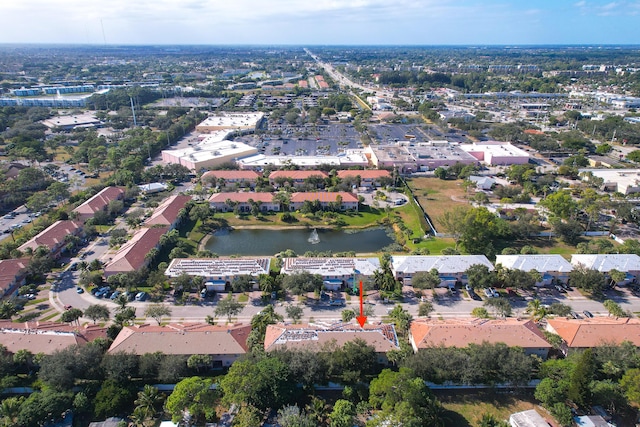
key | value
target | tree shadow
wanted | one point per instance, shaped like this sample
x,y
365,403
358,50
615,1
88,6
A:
x,y
454,419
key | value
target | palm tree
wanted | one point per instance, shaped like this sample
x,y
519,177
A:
x,y
616,276
10,409
536,309
147,404
318,410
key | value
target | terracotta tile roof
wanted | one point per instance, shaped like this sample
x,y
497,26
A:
x,y
131,255
100,201
188,338
584,333
242,197
365,174
297,175
167,212
315,336
10,271
247,175
46,337
54,235
462,332
323,197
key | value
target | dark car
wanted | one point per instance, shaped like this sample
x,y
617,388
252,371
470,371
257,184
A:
x,y
587,314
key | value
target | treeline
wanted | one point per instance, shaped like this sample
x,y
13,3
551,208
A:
x,y
475,364
607,375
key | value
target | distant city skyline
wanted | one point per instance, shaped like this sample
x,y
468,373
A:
x,y
321,22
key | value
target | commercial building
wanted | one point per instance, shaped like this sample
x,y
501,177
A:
x,y
85,120
495,153
211,152
451,268
428,333
625,181
349,158
242,122
408,157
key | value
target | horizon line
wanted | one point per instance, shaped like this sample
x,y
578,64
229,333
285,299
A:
x,y
469,45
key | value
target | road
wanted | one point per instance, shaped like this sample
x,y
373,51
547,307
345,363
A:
x,y
445,305
345,82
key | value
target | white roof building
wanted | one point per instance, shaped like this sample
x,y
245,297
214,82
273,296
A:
x,y
349,158
626,263
541,263
496,153
625,181
236,121
530,418
450,268
482,182
325,267
211,151
218,269
551,267
74,121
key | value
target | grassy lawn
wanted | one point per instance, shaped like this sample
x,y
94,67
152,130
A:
x,y
364,218
465,409
437,196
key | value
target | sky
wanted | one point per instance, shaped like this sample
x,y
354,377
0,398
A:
x,y
321,22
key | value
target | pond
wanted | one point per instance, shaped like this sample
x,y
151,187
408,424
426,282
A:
x,y
269,242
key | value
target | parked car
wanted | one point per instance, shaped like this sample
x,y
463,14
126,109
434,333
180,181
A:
x,y
68,307
575,315
337,302
560,289
141,296
79,290
115,295
587,314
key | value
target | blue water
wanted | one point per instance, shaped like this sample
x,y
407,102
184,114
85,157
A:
x,y
269,242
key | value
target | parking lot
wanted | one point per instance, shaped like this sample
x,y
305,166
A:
x,y
321,140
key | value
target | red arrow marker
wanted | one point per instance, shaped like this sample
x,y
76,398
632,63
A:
x,y
362,319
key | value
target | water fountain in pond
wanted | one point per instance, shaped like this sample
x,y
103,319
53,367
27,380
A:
x,y
314,239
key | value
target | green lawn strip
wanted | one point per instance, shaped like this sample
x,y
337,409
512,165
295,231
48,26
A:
x,y
466,408
49,316
243,298
36,302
